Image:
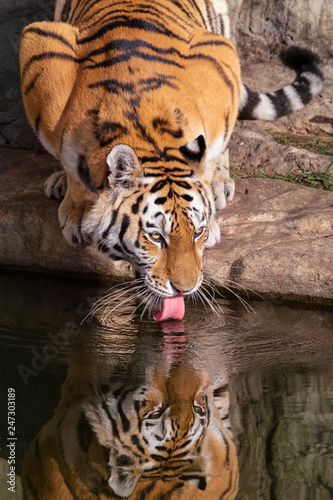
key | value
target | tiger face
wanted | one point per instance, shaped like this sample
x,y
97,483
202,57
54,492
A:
x,y
112,437
167,428
159,224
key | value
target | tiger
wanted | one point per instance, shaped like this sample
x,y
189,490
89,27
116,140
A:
x,y
114,437
138,101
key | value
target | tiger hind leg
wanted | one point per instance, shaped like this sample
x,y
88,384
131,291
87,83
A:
x,y
222,185
56,185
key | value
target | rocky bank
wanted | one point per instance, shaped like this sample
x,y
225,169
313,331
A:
x,y
276,236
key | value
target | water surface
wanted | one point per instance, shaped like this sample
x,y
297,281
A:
x,y
268,369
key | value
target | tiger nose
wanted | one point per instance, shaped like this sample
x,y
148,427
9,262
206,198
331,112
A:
x,y
178,289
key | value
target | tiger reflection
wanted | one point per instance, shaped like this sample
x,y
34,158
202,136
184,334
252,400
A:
x,y
111,438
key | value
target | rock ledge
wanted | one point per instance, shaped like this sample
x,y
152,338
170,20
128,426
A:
x,y
276,237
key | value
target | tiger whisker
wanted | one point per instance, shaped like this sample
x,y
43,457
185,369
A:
x,y
230,289
212,302
203,298
125,301
133,285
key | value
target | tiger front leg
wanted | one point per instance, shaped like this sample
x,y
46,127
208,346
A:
x,y
75,205
222,185
56,185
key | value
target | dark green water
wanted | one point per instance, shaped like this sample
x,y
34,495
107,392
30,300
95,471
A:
x,y
275,359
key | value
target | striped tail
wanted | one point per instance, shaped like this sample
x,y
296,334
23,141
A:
x,y
307,84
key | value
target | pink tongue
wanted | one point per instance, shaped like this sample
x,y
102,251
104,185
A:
x,y
173,307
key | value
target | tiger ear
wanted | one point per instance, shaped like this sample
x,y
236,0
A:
x,y
123,166
194,150
123,481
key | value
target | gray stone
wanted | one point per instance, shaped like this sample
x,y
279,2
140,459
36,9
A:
x,y
276,239
261,28
253,150
30,235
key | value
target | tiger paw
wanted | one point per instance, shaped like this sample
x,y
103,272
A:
x,y
72,231
223,192
56,185
71,224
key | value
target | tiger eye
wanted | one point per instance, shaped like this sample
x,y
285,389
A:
x,y
198,232
155,236
199,410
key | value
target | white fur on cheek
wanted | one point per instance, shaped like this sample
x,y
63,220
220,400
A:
x,y
214,234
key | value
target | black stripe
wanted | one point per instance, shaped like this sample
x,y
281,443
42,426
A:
x,y
136,205
112,222
84,174
84,432
74,10
157,458
124,420
113,422
118,248
31,85
113,86
85,7
128,22
161,200
154,84
124,226
182,21
216,43
252,100
115,129
125,45
164,127
65,10
199,11
48,55
280,103
134,54
219,70
136,442
303,89
37,122
50,34
183,184
159,185
115,258
220,24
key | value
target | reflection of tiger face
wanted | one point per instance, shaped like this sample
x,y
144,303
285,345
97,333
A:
x,y
146,441
138,101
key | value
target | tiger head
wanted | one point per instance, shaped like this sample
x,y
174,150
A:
x,y
113,438
159,224
174,431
